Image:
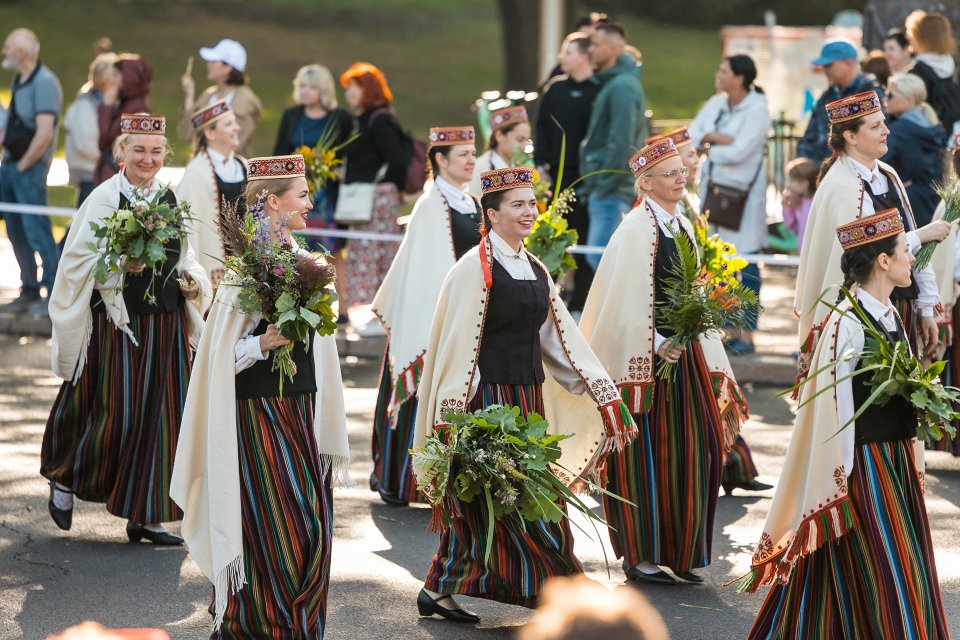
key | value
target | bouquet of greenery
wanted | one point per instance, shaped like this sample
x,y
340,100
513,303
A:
x,y
139,233
718,257
321,160
894,371
697,303
950,193
289,289
497,454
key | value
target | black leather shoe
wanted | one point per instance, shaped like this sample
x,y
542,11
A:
x,y
62,517
394,500
689,576
660,577
428,606
750,485
374,484
136,532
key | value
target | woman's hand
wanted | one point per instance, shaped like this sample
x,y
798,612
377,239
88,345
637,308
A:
x,y
669,351
930,334
132,266
191,291
272,339
936,231
715,137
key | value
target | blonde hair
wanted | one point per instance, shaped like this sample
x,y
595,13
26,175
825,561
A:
x,y
272,186
103,66
930,33
912,86
319,77
125,138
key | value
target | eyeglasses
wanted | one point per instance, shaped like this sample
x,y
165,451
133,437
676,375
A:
x,y
673,174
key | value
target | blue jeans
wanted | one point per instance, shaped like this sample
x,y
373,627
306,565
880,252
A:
x,y
28,233
750,276
605,213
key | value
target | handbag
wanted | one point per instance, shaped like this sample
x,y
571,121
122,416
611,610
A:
x,y
725,205
355,200
18,135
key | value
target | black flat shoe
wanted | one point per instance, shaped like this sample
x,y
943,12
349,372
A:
x,y
374,485
428,606
689,576
393,500
62,517
750,485
136,532
660,577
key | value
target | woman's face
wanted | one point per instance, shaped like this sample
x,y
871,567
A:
x,y
896,102
143,158
290,208
309,95
217,72
900,263
513,221
870,140
724,80
225,133
691,160
897,57
458,165
664,189
353,94
517,138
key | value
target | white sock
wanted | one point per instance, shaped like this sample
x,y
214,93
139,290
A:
x,y
62,498
648,568
446,603
156,528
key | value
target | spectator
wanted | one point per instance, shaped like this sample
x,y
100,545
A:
x,y
579,608
897,51
565,111
875,64
798,196
914,143
617,127
379,143
586,25
226,63
839,61
732,128
102,45
81,124
932,40
509,139
35,105
129,95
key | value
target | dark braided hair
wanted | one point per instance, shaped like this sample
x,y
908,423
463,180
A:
x,y
504,130
857,262
488,201
837,143
433,167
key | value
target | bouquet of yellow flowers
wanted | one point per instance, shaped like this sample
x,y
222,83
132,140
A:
x,y
321,160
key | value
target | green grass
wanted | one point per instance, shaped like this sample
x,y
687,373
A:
x,y
438,55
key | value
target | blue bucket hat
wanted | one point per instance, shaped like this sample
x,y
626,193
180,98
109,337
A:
x,y
834,50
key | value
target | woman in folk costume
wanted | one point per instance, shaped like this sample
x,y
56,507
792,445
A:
x,y
672,471
509,132
215,178
499,324
847,542
444,225
125,361
853,184
739,469
255,468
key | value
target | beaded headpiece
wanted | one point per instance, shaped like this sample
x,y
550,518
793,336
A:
x,y
507,116
444,136
652,155
502,179
851,107
870,229
275,167
143,123
210,114
679,136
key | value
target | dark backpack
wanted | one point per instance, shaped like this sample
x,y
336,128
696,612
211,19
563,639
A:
x,y
416,150
943,94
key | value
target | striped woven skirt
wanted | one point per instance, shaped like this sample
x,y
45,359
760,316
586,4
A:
x,y
951,377
523,554
671,472
739,466
287,510
112,436
392,464
879,580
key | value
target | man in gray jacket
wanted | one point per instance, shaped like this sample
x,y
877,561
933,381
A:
x,y
617,129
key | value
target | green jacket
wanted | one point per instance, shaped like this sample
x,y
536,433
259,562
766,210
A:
x,y
618,127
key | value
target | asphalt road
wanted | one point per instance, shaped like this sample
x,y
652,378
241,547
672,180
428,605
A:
x,y
50,579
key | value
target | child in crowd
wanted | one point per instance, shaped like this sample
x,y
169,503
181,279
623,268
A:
x,y
801,183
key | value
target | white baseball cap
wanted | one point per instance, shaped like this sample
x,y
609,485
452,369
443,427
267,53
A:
x,y
228,52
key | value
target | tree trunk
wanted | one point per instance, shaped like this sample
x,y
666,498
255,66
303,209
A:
x,y
520,26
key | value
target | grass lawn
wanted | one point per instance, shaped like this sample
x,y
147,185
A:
x,y
438,55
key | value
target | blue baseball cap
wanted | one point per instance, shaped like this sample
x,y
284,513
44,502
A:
x,y
834,50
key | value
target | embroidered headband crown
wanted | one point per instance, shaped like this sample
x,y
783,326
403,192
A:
x,y
502,179
851,107
444,136
679,136
143,123
870,229
508,116
275,167
652,155
210,114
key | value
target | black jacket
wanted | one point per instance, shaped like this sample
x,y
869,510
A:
x,y
570,103
380,142
288,123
